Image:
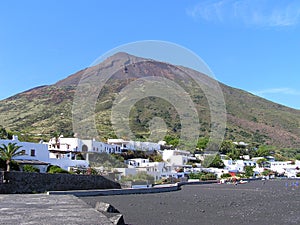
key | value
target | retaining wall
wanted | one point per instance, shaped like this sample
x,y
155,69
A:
x,y
22,182
128,191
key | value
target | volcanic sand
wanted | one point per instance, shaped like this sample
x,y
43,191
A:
x,y
256,202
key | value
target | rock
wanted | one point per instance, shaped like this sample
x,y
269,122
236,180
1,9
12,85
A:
x,y
117,219
105,207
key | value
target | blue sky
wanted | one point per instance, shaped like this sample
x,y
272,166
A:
x,y
253,45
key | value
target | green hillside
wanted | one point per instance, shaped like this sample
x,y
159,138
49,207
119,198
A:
x,y
39,112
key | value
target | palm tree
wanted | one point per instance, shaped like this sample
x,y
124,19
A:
x,y
7,152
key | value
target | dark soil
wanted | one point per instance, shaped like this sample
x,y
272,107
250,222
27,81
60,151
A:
x,y
256,202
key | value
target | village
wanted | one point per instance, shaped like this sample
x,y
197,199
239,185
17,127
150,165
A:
x,y
74,154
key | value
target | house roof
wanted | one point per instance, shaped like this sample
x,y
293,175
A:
x,y
30,162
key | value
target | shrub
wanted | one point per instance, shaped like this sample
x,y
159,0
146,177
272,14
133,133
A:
x,y
225,175
56,169
249,171
30,169
140,176
266,172
203,176
210,176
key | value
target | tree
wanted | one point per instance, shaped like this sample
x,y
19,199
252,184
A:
x,y
264,150
226,147
140,176
7,152
30,169
171,140
234,154
217,162
248,171
4,134
56,169
213,161
261,162
202,143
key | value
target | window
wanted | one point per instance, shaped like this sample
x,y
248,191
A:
x,y
32,152
23,152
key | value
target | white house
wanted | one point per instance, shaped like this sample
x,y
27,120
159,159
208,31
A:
x,y
158,170
177,157
238,165
35,154
122,144
145,146
286,167
74,152
137,162
84,146
134,145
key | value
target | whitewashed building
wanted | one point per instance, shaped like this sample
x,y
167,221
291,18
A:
x,y
238,165
134,145
158,170
35,154
145,146
287,168
177,157
74,152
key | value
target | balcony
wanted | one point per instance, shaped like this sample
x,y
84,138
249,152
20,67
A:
x,y
63,148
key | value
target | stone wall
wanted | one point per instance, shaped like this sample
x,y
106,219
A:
x,y
22,182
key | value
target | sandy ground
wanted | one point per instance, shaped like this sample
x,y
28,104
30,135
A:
x,y
256,202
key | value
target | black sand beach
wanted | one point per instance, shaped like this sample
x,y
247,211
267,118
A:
x,y
256,202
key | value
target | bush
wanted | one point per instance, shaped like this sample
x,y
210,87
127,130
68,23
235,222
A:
x,y
30,169
225,175
249,171
266,172
56,169
202,176
140,176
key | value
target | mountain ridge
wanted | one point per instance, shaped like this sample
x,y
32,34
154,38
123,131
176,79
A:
x,y
41,110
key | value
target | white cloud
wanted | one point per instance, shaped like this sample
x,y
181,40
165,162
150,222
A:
x,y
283,91
266,13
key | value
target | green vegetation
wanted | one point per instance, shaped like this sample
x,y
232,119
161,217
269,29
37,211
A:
x,y
152,156
139,177
202,143
203,176
264,150
261,162
106,160
227,147
288,153
4,134
249,171
37,113
213,161
171,140
225,175
30,169
55,169
7,152
266,172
